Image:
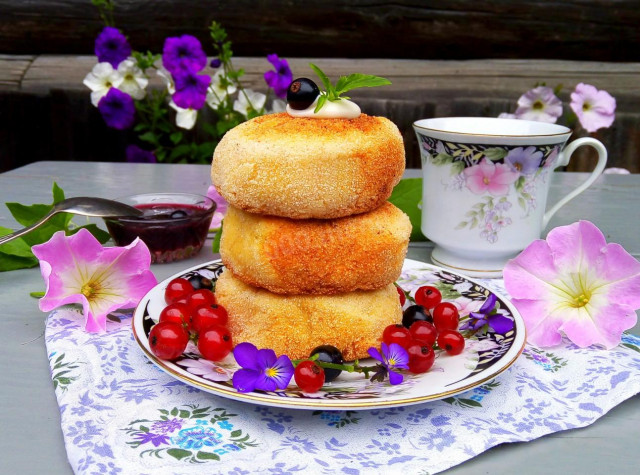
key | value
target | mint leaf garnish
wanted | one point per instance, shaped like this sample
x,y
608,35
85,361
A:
x,y
344,84
407,195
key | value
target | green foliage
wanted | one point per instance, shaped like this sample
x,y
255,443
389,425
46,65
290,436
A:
x,y
344,84
407,195
17,254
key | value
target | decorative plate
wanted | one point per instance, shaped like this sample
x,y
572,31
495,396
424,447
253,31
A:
x,y
485,356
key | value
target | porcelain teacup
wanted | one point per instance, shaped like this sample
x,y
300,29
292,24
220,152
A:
x,y
485,187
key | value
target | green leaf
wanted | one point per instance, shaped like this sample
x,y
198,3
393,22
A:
x,y
407,195
18,247
207,456
236,433
9,262
457,168
36,295
176,137
321,101
323,77
442,159
495,153
101,235
354,81
215,246
519,184
178,454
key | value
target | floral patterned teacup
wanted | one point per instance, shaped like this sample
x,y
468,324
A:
x,y
485,187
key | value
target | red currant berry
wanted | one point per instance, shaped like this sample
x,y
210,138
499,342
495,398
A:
x,y
421,358
214,343
451,341
397,334
168,340
428,296
200,297
177,288
446,316
177,313
424,332
309,376
403,297
205,316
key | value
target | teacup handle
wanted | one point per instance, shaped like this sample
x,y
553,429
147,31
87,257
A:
x,y
565,156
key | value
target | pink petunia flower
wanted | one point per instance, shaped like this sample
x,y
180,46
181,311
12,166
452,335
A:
x,y
221,207
539,104
577,284
490,177
595,109
78,269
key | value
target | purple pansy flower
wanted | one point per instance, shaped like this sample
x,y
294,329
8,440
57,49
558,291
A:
x,y
112,46
393,357
486,316
183,53
117,109
261,369
136,154
215,63
279,79
191,89
524,160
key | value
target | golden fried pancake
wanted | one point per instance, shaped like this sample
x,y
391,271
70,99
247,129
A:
x,y
309,168
316,256
295,324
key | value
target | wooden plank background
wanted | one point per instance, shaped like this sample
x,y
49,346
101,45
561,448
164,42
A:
x,y
435,52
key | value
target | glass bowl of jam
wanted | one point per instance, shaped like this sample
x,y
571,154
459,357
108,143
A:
x,y
174,226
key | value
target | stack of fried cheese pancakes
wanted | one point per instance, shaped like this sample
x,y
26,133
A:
x,y
310,244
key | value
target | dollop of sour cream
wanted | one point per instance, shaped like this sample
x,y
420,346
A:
x,y
342,109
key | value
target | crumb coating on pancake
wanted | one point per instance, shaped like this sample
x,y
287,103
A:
x,y
314,256
296,324
309,168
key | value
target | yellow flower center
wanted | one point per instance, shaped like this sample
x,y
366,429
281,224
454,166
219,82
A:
x,y
538,105
518,166
90,289
586,106
580,301
392,362
271,372
486,180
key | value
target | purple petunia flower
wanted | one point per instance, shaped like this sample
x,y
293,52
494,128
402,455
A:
x,y
136,154
484,316
183,53
279,79
524,160
595,108
539,104
260,369
117,109
112,46
215,63
393,357
191,89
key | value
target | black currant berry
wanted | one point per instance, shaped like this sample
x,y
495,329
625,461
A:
x,y
200,282
329,354
301,93
415,313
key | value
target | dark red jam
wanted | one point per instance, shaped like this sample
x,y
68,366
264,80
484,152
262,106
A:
x,y
170,231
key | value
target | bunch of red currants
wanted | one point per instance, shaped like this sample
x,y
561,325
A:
x,y
191,313
427,323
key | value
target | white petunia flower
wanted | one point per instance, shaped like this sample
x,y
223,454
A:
x,y
217,92
247,100
134,80
167,78
185,118
101,78
278,106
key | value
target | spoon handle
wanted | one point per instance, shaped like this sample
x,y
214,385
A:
x,y
21,232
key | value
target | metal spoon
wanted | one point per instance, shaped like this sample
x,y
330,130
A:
x,y
83,205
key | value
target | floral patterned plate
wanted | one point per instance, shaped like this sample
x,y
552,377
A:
x,y
486,354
